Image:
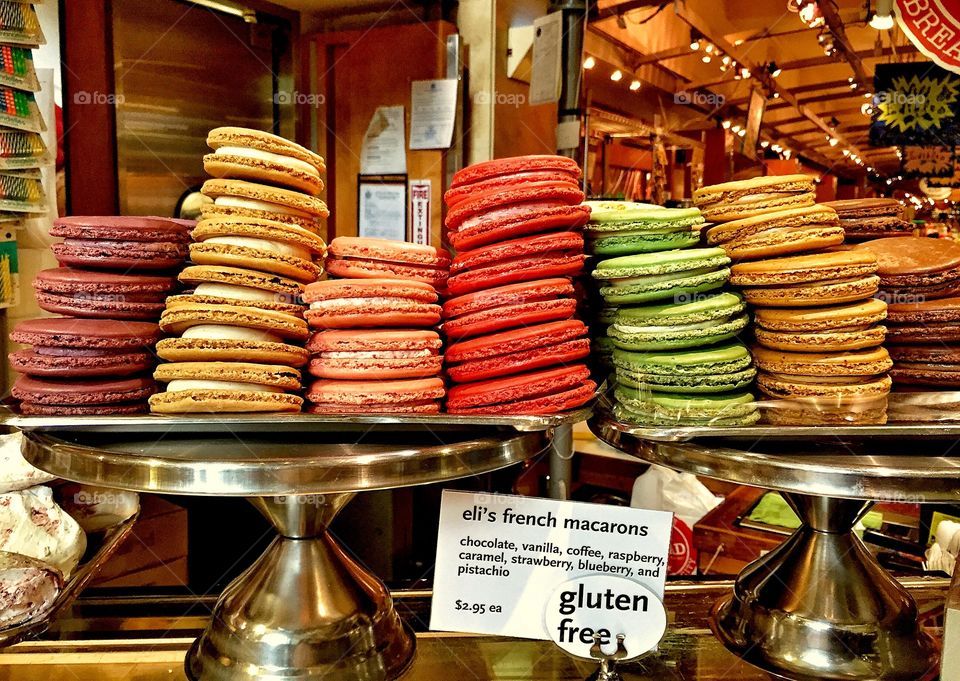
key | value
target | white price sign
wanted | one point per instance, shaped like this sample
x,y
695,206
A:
x,y
500,558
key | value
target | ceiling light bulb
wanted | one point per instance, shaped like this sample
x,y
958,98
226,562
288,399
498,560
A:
x,y
773,69
709,48
635,85
616,75
589,63
868,95
726,125
776,95
706,59
742,132
882,19
846,152
764,144
866,109
834,141
694,45
735,128
745,72
787,153
726,59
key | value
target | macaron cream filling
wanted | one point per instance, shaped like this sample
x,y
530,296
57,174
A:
x,y
269,157
341,303
236,292
182,384
225,332
269,245
254,204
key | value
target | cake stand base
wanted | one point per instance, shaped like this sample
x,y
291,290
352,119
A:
x,y
820,607
303,610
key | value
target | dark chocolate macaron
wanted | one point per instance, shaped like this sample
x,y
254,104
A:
x,y
863,219
86,397
102,295
120,243
68,348
916,268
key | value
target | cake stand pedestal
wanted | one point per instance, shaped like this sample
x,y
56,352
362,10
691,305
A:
x,y
305,609
819,606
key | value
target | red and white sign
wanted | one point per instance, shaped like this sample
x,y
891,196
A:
x,y
420,218
934,27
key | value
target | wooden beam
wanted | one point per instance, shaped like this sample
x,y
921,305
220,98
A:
x,y
689,15
619,9
835,24
862,54
812,87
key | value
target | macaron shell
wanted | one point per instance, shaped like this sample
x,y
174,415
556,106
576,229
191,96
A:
x,y
366,368
522,387
826,341
65,281
85,333
396,312
30,362
223,401
516,270
526,360
370,288
460,193
678,339
545,290
781,242
356,269
259,229
923,333
681,288
388,250
561,401
705,384
813,295
255,259
359,393
125,409
235,276
85,392
501,167
211,350
177,319
509,316
286,378
942,375
505,251
521,221
269,194
614,246
428,407
99,306
800,269
119,255
782,387
120,228
838,317
860,363
194,299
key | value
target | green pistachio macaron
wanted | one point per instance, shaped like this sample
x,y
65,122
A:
x,y
650,277
705,320
654,408
712,370
619,228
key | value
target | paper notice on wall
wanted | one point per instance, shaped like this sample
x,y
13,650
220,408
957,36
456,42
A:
x,y
545,74
384,150
433,113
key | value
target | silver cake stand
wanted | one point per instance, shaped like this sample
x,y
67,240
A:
x,y
305,609
819,606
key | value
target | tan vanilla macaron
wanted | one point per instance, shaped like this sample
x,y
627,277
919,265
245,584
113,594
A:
x,y
226,387
746,198
222,285
246,154
238,198
257,244
785,232
822,364
808,280
854,326
181,317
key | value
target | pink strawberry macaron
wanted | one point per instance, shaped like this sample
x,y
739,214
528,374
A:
x,y
120,243
526,259
505,307
413,396
104,295
352,303
375,354
518,350
368,258
538,392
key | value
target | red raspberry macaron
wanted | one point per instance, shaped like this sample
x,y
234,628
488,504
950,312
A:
x,y
505,307
538,392
526,259
518,350
515,165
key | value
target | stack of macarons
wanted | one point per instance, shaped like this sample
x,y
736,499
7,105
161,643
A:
x,y
920,278
115,274
514,347
818,335
238,334
621,228
375,348
866,219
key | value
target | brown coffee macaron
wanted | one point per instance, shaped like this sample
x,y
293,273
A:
x,y
785,232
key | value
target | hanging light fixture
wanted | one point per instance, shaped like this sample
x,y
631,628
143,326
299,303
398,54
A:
x,y
635,85
589,63
773,69
616,76
694,39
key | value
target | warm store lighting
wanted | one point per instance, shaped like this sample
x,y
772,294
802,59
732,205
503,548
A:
x,y
616,76
882,19
589,63
635,85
